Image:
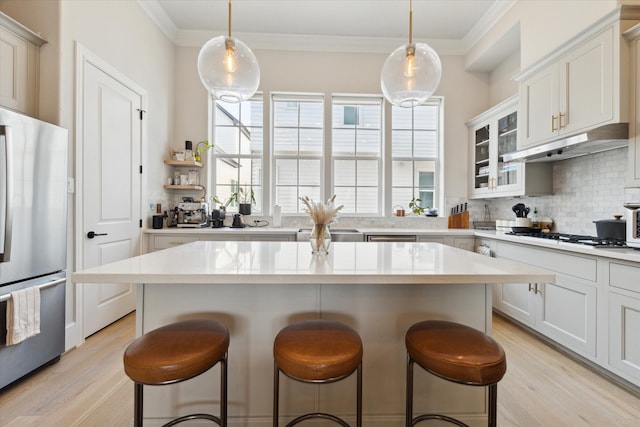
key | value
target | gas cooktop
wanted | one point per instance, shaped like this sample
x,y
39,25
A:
x,y
575,238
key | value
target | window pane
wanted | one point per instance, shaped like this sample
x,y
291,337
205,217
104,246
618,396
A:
x,y
426,198
401,143
368,142
226,113
415,136
368,199
401,196
401,118
346,196
285,113
287,197
226,170
350,117
253,142
370,116
309,172
402,174
368,173
426,117
286,172
423,168
311,142
311,115
344,172
343,142
285,141
424,144
226,140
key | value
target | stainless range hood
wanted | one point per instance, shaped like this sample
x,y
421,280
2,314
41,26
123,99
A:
x,y
607,137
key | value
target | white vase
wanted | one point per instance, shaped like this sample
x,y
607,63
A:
x,y
320,239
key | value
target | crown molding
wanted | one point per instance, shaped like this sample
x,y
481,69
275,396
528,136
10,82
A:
x,y
319,43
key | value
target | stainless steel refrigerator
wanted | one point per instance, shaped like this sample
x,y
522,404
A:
x,y
33,235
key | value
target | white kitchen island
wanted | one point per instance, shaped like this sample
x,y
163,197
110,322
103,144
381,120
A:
x,y
257,288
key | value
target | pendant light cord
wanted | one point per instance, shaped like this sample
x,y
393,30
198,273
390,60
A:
x,y
229,18
410,21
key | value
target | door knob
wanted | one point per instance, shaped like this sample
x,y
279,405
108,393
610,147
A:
x,y
93,234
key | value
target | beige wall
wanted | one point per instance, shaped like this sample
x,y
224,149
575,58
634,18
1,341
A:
x,y
42,17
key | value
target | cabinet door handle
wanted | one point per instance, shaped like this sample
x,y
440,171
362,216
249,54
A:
x,y
530,287
536,290
560,115
553,123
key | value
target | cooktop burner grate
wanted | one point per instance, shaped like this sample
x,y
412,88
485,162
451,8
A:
x,y
576,238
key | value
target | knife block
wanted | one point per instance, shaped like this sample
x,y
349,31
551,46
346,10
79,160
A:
x,y
460,220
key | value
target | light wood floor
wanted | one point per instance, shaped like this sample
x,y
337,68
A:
x,y
542,387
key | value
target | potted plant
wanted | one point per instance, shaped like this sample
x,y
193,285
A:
x,y
245,198
415,207
202,148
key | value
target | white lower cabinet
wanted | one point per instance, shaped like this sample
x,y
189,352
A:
x,y
565,310
158,241
624,319
465,242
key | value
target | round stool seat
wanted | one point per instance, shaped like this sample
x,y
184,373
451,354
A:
x,y
456,352
318,349
176,352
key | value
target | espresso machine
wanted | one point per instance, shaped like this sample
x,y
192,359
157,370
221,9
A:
x,y
191,214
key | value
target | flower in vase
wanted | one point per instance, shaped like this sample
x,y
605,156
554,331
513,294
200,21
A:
x,y
322,215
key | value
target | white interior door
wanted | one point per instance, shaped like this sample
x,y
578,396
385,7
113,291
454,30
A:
x,y
111,182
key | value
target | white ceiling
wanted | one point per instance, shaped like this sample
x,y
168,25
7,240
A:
x,y
450,26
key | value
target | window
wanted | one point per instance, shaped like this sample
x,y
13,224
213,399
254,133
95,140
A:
x,y
356,144
415,141
238,149
348,157
298,139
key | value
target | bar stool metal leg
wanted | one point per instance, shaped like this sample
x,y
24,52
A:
x,y
138,404
409,393
276,400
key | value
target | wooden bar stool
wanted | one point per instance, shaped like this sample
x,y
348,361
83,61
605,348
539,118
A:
x,y
317,351
175,353
455,353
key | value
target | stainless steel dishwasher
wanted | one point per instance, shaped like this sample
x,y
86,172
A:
x,y
391,238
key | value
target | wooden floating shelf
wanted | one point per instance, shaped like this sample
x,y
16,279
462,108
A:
x,y
183,163
184,187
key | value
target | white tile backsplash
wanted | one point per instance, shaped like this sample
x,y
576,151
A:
x,y
585,189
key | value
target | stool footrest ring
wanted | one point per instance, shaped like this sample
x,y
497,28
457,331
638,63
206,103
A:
x,y
440,417
193,417
314,415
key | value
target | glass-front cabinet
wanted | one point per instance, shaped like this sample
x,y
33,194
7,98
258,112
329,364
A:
x,y
493,134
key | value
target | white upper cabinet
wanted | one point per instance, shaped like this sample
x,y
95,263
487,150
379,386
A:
x,y
633,180
582,85
493,134
19,63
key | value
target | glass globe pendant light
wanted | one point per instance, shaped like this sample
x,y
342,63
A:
x,y
228,68
411,73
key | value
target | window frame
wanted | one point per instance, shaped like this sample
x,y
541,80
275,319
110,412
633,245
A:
x,y
347,100
438,190
326,180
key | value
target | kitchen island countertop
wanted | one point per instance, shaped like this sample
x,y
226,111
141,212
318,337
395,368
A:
x,y
204,262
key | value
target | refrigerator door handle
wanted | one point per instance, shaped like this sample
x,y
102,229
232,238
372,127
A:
x,y
6,193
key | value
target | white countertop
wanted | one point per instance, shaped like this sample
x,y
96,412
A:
x,y
227,262
625,254
283,230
